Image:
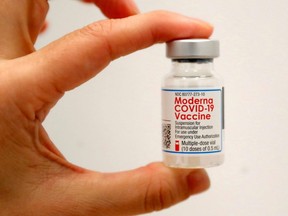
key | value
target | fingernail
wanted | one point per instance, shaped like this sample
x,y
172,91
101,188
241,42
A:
x,y
134,8
198,181
207,28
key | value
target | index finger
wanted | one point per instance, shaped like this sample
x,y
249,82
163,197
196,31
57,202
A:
x,y
79,56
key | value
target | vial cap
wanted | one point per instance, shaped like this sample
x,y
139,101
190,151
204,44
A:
x,y
192,48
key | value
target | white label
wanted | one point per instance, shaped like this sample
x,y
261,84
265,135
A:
x,y
192,120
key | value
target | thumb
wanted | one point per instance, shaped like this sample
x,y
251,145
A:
x,y
72,60
143,190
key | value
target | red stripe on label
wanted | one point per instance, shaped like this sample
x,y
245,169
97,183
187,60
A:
x,y
177,146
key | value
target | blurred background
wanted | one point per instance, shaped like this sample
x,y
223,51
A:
x,y
113,122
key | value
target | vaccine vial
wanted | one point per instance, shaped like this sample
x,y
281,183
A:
x,y
192,106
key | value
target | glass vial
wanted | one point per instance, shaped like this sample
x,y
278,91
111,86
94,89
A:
x,y
192,106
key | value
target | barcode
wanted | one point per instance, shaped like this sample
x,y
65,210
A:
x,y
166,135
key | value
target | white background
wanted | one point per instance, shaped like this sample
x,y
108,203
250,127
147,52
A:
x,y
113,122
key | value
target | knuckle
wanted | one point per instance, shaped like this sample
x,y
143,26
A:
x,y
100,32
162,13
99,29
158,196
161,190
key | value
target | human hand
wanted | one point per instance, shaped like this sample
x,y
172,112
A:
x,y
35,178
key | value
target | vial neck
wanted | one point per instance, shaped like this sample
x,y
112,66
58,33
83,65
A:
x,y
193,67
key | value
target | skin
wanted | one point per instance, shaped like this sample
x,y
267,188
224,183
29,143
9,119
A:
x,y
35,178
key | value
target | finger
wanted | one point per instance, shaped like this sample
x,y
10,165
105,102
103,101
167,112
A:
x,y
144,190
116,8
20,22
44,27
79,56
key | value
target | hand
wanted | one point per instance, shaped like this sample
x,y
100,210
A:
x,y
35,178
